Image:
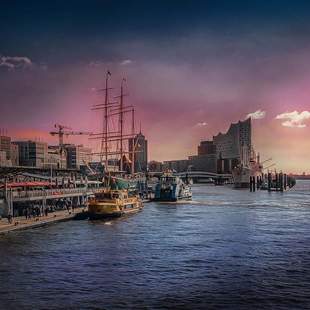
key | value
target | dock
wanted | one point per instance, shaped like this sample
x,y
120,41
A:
x,y
21,223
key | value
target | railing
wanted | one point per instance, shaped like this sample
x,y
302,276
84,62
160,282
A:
x,y
203,174
53,192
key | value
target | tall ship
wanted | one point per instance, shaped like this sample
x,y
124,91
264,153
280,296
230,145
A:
x,y
118,197
172,188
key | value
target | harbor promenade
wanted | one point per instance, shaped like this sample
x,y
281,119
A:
x,y
21,223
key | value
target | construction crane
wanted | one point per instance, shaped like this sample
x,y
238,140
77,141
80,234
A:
x,y
61,132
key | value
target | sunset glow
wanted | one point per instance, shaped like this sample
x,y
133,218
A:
x,y
188,77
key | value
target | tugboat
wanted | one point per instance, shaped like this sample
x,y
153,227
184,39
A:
x,y
172,188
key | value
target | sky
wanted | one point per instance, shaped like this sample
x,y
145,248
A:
x,y
191,68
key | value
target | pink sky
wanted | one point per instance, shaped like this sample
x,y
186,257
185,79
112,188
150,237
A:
x,y
171,100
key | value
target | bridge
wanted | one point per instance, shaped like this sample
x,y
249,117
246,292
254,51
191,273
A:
x,y
202,175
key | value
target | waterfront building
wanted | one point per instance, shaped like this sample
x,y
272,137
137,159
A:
x,y
206,162
3,161
56,158
5,146
206,147
77,156
14,155
221,154
180,165
31,153
140,145
10,150
234,146
206,159
155,166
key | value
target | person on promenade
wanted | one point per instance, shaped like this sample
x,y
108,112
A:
x,y
26,213
10,219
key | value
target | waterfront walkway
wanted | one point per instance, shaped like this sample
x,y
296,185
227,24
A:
x,y
21,223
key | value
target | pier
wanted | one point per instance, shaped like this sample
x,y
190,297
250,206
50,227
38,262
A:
x,y
277,182
23,193
21,223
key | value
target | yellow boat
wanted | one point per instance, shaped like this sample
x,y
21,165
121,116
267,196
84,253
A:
x,y
113,203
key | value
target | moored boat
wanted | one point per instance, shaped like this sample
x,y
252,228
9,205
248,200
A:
x,y
242,173
113,203
172,188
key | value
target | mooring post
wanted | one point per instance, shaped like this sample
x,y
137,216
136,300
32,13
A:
x,y
269,182
281,181
257,182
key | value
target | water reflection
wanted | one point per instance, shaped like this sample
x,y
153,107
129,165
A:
x,y
227,249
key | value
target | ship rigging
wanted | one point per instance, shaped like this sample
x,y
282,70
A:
x,y
113,137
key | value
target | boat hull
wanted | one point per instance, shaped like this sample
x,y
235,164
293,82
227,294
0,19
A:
x,y
241,176
117,214
171,188
104,210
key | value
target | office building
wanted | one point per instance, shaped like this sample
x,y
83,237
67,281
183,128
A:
x,y
77,156
31,153
180,165
5,146
56,158
234,146
140,147
14,155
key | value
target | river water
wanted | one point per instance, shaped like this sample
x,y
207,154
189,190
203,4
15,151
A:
x,y
227,249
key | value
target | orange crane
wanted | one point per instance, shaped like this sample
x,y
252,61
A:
x,y
61,132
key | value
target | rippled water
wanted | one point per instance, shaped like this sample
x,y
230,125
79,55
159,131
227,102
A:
x,y
227,249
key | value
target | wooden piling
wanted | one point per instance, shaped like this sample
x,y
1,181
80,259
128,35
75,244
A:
x,y
281,181
269,182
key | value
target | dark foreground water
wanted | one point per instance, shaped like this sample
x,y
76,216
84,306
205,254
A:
x,y
227,249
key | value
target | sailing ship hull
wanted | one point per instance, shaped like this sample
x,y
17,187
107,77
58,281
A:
x,y
241,176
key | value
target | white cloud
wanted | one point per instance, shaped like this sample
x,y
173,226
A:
x,y
294,119
96,63
12,63
202,124
259,114
126,62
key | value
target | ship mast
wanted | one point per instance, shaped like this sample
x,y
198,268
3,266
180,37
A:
x,y
121,120
110,111
133,141
104,140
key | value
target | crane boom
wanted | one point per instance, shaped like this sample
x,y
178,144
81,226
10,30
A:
x,y
61,133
